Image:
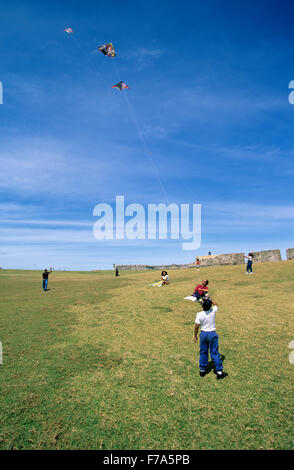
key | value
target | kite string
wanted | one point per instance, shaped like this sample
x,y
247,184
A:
x,y
133,116
141,136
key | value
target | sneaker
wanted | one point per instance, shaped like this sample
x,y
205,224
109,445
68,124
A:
x,y
221,376
202,373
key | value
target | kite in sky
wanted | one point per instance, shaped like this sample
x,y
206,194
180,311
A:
x,y
107,49
120,86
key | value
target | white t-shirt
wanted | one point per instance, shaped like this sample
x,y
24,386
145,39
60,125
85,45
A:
x,y
206,320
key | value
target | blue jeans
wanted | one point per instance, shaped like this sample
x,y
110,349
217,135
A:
x,y
249,266
197,295
209,341
45,282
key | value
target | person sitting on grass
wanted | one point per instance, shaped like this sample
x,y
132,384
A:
x,y
45,276
164,278
200,292
205,320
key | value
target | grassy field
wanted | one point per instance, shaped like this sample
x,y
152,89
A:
x,y
104,363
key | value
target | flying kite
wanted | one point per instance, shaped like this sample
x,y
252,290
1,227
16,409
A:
x,y
68,30
120,86
107,49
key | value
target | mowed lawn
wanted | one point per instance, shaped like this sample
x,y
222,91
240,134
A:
x,y
104,363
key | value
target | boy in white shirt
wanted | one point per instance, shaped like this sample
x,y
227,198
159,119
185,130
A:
x,y
205,320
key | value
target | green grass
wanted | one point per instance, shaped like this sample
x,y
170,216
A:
x,y
104,363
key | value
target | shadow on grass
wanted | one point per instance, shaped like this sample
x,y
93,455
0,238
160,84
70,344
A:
x,y
210,365
162,309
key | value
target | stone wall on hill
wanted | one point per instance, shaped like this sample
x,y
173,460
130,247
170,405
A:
x,y
266,256
135,267
215,260
145,267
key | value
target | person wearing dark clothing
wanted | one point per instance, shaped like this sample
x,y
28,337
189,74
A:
x,y
45,276
249,263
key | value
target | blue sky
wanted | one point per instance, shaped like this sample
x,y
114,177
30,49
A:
x,y
209,90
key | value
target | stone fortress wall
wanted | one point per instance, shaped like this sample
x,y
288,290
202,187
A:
x,y
290,253
264,256
267,256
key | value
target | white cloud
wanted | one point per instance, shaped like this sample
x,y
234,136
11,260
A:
x,y
53,169
143,53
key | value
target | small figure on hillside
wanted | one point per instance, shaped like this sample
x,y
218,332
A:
x,y
209,253
205,320
45,276
197,263
249,263
116,271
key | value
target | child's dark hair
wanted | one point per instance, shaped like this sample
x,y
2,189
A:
x,y
206,305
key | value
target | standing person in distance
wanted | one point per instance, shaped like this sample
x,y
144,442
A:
x,y
249,263
45,276
205,320
116,271
197,263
